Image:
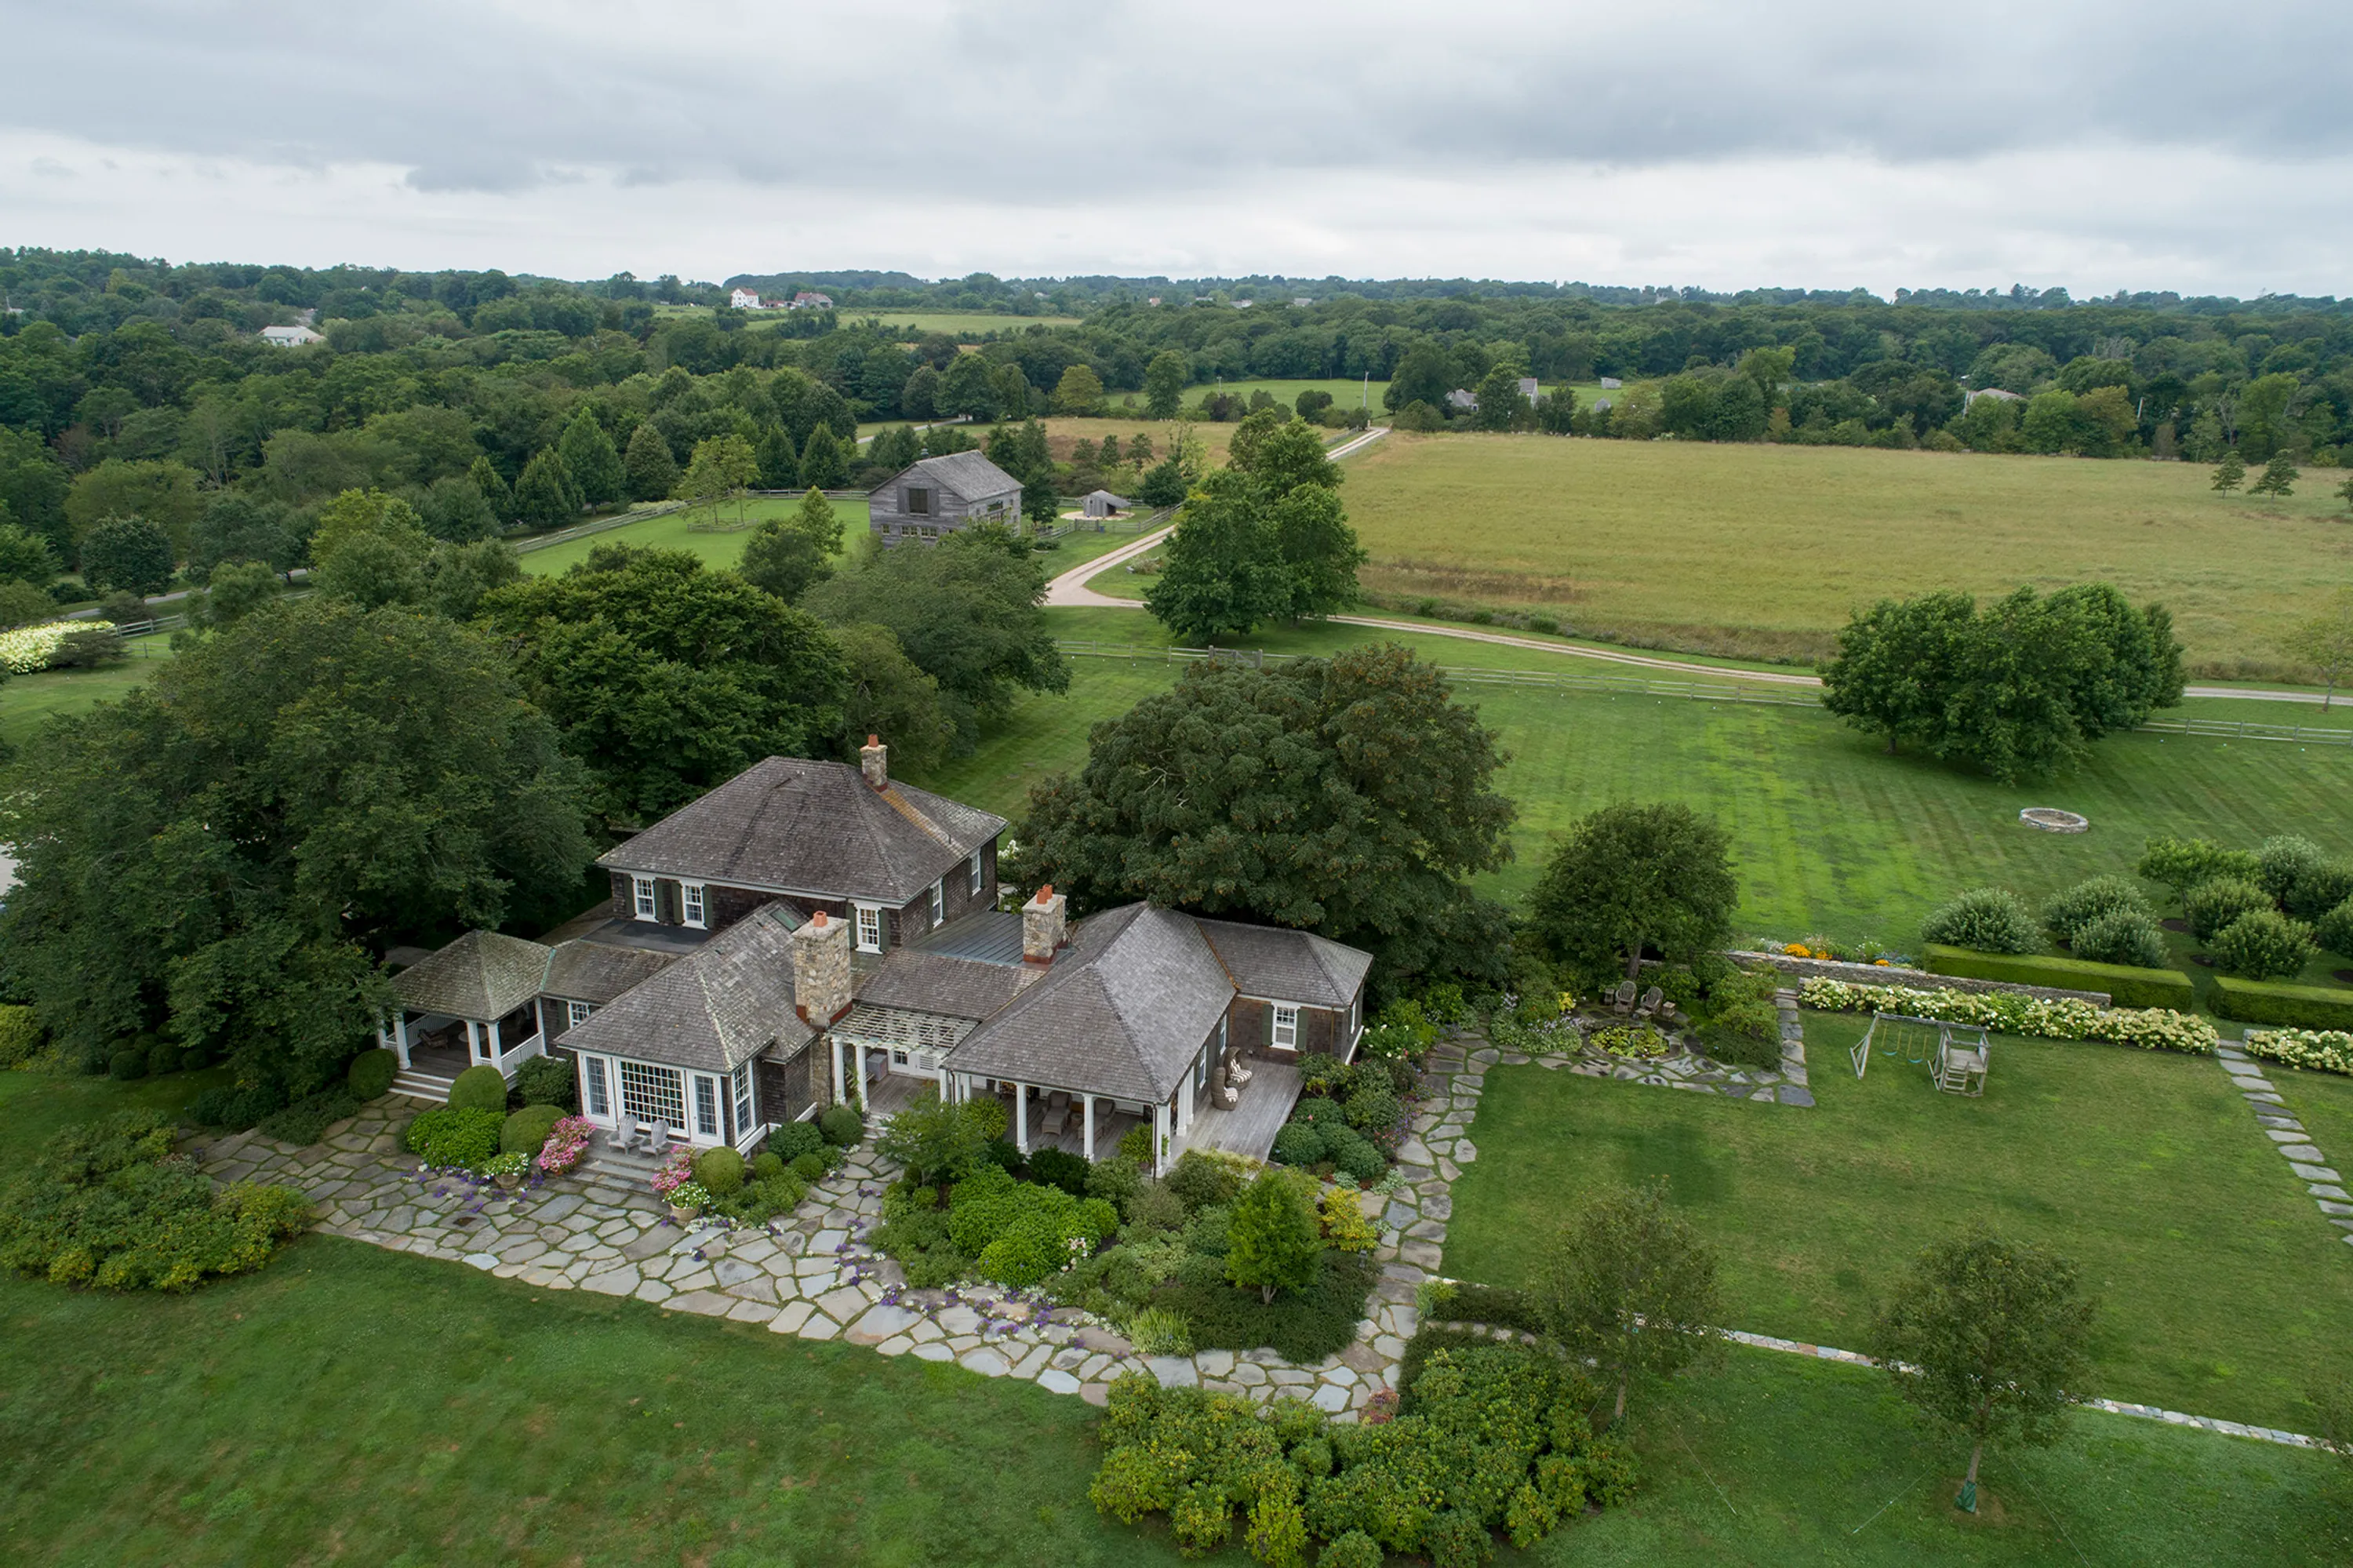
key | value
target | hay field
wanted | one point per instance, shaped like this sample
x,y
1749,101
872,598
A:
x,y
1763,550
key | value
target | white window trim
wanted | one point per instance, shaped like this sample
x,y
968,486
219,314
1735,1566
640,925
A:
x,y
739,1091
693,905
595,1087
575,1013
643,905
1285,1035
704,1094
940,901
859,914
973,887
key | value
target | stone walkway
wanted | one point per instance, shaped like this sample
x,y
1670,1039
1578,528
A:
x,y
1785,1086
2288,1134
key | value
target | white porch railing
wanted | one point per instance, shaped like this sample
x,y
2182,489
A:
x,y
510,1060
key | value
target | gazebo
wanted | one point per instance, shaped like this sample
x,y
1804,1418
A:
x,y
473,1004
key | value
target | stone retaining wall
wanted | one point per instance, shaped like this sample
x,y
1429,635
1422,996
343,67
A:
x,y
1922,980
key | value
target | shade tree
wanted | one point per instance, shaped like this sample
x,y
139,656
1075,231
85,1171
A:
x,y
129,553
1628,878
1629,1285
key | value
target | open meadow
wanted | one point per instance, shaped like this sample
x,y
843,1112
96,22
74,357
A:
x,y
718,547
1763,551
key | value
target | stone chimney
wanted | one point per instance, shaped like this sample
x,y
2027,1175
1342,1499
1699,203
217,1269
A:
x,y
1042,926
821,969
874,761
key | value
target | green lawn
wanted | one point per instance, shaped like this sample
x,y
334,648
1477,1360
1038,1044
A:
x,y
27,702
1830,834
677,530
1763,550
1347,392
2224,1291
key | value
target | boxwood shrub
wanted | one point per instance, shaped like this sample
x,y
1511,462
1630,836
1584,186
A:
x,y
526,1131
794,1140
2126,936
2069,912
479,1087
2291,1006
842,1125
721,1171
1990,919
372,1072
454,1137
2127,986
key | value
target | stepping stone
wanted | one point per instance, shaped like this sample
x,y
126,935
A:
x,y
2322,1189
879,1323
934,1350
1057,1382
2304,1152
482,1260
1789,1094
2279,1135
2329,1208
1330,1398
1173,1371
2316,1173
1214,1364
703,1303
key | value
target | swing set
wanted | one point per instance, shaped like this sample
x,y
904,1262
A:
x,y
1956,1054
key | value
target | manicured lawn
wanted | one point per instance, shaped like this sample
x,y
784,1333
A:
x,y
1347,392
1830,834
964,324
2225,1292
676,531
1764,549
27,702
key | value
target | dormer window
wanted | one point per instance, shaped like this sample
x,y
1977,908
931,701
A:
x,y
919,501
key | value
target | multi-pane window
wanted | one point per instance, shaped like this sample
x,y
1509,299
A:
x,y
575,1013
690,902
653,1093
939,900
972,882
706,1107
594,1096
743,1085
869,928
642,890
1286,1027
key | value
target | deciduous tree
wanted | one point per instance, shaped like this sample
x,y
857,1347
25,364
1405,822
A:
x,y
890,696
1632,877
2278,478
1988,1338
1353,797
127,552
1631,1285
2230,472
590,460
1223,573
1898,664
2326,641
1163,384
1273,1243
1080,393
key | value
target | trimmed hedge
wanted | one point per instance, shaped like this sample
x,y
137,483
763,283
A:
x,y
479,1087
526,1130
372,1072
2126,987
2293,1006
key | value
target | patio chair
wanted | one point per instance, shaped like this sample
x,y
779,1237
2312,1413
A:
x,y
626,1132
658,1142
1624,1001
1653,1000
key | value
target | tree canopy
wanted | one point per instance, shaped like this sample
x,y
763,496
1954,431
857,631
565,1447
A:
x,y
1629,1283
1628,877
667,679
1349,796
215,847
1263,538
967,611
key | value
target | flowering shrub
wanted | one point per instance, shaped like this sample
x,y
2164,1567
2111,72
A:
x,y
567,1140
677,1171
1345,1225
691,1195
2322,1050
30,648
514,1163
2150,1029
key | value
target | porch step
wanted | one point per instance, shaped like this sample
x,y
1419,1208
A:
x,y
421,1087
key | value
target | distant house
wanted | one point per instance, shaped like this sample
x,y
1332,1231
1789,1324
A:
x,y
1301,303
290,336
1998,394
1152,300
744,300
1528,388
808,299
1610,384
1244,304
940,495
1459,398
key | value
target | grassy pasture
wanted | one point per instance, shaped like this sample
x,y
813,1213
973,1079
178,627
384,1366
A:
x,y
2224,1291
675,531
27,702
1831,835
1763,550
1347,392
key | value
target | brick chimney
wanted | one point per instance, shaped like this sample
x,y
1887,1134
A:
x,y
1042,926
821,969
874,761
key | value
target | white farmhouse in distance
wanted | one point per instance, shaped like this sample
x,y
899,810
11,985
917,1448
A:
x,y
744,300
290,336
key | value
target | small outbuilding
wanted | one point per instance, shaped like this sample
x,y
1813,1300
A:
x,y
473,1004
1104,503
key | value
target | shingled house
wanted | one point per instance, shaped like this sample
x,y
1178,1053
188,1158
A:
x,y
940,494
810,933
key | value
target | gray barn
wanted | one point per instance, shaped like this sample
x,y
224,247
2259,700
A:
x,y
942,494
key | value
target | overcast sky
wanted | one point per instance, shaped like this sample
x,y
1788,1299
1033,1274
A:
x,y
2204,148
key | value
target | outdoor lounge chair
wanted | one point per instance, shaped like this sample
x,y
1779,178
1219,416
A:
x,y
626,1132
1625,998
1653,1001
658,1141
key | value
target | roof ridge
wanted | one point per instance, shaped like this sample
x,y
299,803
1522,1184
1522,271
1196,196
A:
x,y
906,808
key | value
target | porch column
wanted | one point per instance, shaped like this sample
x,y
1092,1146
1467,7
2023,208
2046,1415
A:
x,y
1159,1134
1090,1115
1184,1106
400,1037
833,1046
473,1042
498,1047
1021,1118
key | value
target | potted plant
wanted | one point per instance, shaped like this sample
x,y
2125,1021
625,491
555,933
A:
x,y
567,1141
509,1170
688,1200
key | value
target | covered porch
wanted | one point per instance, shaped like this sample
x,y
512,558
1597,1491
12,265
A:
x,y
473,1004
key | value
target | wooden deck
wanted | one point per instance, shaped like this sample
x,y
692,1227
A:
x,y
1250,1128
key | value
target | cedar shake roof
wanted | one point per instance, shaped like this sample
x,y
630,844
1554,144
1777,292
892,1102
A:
x,y
712,1010
935,982
1124,1011
481,976
792,826
583,971
1278,964
967,474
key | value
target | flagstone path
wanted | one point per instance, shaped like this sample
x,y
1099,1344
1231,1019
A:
x,y
2322,1183
816,1275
